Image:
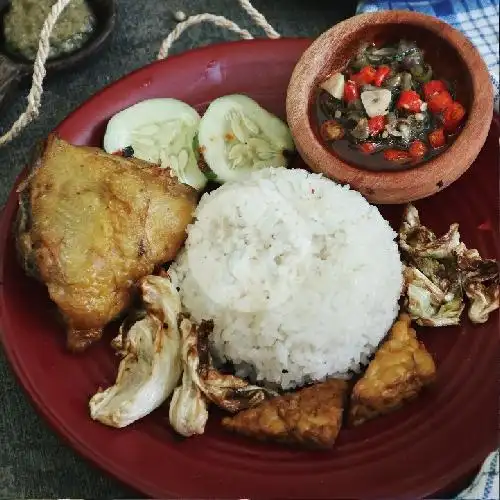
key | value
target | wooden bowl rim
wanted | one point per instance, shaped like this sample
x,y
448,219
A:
x,y
305,78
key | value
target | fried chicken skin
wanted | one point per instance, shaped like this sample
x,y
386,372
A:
x,y
398,372
310,417
90,224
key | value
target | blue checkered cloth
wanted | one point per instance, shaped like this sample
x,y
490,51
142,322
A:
x,y
477,19
485,486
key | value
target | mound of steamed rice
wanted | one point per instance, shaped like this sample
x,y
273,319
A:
x,y
301,276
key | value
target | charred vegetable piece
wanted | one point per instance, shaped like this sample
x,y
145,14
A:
x,y
437,103
150,366
440,270
361,130
433,87
437,138
427,304
453,116
332,130
351,91
381,74
409,100
480,279
433,291
417,149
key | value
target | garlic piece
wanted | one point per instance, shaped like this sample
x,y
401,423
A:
x,y
334,85
376,102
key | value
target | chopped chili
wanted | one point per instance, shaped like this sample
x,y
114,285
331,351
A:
x,y
439,102
433,87
351,91
381,74
437,138
453,116
417,149
368,147
397,155
410,100
365,76
376,124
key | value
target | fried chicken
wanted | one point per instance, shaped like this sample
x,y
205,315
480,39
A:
x,y
398,372
90,224
310,417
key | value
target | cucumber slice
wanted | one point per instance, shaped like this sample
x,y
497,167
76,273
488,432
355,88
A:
x,y
160,131
237,136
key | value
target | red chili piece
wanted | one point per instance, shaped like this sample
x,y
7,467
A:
x,y
382,73
368,147
365,76
351,91
397,155
437,138
409,100
453,116
376,124
417,149
433,87
439,102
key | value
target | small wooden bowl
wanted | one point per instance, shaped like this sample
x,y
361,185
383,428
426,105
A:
x,y
452,56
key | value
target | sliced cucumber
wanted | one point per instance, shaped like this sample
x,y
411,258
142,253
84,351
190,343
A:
x,y
160,131
237,136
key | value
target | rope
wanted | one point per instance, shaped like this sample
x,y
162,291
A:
x,y
36,90
259,19
192,21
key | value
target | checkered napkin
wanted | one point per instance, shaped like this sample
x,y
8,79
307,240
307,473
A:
x,y
485,486
477,19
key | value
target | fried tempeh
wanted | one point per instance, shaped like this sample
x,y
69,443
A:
x,y
398,372
310,417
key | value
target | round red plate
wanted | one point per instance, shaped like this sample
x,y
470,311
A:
x,y
411,453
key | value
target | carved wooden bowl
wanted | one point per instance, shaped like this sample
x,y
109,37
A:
x,y
452,56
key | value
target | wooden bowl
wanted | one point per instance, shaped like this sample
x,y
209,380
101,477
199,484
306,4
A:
x,y
452,56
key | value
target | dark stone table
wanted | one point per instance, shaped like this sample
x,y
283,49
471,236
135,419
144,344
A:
x,y
34,463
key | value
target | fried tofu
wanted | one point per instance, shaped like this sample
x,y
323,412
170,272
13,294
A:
x,y
310,417
401,368
90,224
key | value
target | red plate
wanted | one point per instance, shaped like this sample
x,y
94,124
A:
x,y
409,454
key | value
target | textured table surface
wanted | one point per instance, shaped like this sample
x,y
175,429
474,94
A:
x,y
34,463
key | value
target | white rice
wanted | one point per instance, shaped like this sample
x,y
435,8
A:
x,y
301,276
